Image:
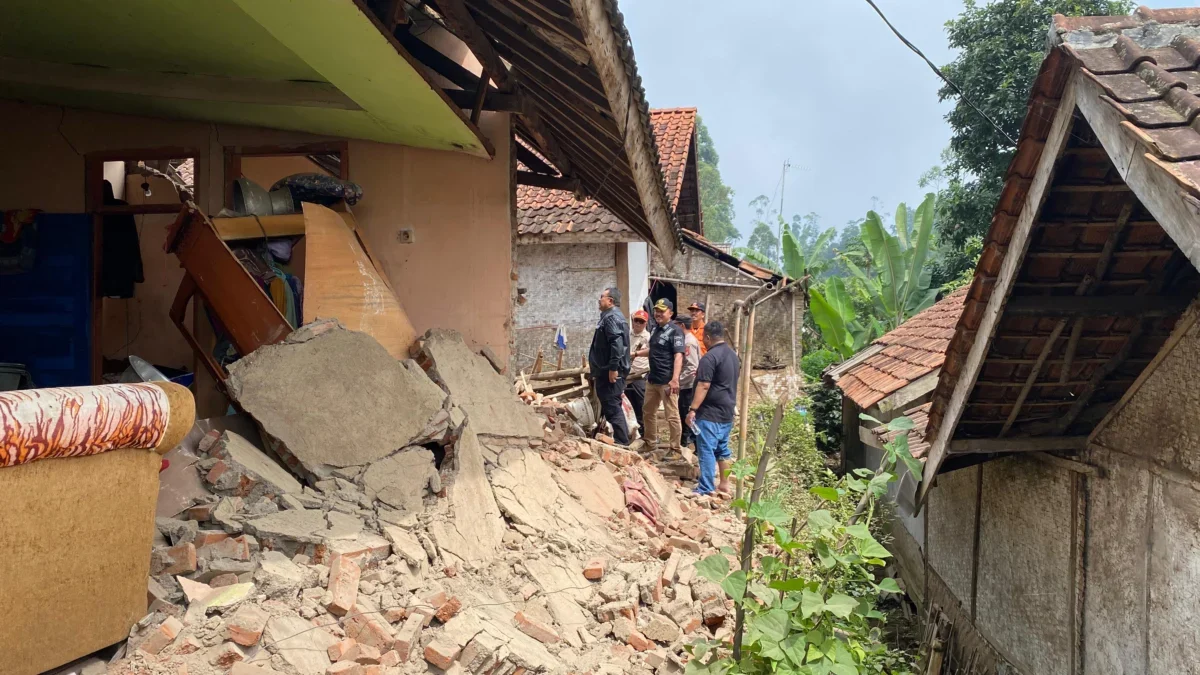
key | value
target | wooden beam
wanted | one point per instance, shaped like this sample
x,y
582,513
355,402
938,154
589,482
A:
x,y
548,182
1113,187
1048,347
964,446
601,38
184,86
480,93
542,139
1056,384
1067,464
1069,354
494,101
1140,252
532,162
1151,180
1010,267
436,61
1097,305
462,24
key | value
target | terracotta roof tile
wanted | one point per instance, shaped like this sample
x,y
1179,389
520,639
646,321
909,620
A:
x,y
911,351
546,211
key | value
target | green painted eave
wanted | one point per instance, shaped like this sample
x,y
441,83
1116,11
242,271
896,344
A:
x,y
330,45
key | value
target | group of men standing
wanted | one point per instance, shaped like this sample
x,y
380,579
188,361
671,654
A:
x,y
681,364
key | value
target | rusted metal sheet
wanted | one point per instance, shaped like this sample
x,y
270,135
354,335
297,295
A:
x,y
77,421
230,294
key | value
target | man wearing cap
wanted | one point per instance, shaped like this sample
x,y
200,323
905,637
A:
x,y
639,350
662,387
712,410
699,311
608,360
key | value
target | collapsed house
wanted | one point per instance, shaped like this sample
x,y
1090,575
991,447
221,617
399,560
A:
x,y
570,249
1058,532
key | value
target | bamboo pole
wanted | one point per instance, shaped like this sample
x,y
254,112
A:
x,y
744,411
793,330
738,307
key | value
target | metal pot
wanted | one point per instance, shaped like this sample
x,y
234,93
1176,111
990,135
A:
x,y
250,199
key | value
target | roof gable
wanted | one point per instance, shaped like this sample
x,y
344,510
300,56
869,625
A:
x,y
1092,271
548,211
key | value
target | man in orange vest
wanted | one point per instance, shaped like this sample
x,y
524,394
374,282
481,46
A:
x,y
697,309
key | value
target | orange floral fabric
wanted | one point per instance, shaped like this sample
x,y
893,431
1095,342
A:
x,y
77,421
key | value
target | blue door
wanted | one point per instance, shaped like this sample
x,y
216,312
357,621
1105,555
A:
x,y
46,313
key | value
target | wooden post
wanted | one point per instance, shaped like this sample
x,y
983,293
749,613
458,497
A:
x,y
537,363
737,327
795,362
558,363
744,410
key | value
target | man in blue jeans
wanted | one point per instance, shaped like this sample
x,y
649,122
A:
x,y
711,412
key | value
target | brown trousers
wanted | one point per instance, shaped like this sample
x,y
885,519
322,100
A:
x,y
657,394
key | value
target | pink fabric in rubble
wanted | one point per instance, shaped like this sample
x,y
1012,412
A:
x,y
639,499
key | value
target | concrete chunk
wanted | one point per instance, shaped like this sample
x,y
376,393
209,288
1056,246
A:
x,y
402,480
249,470
299,644
474,529
484,395
333,397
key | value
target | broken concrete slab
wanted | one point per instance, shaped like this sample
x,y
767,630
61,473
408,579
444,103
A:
x,y
474,528
484,395
406,545
299,644
596,489
284,530
403,479
279,577
527,493
333,397
565,590
249,470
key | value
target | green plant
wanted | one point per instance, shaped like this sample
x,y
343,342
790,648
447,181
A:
x,y
837,319
827,418
812,609
815,362
798,263
900,286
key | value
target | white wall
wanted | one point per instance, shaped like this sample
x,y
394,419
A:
x,y
638,253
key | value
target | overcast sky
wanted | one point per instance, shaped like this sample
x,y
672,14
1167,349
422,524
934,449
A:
x,y
824,85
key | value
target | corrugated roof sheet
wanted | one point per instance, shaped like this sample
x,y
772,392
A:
x,y
547,211
911,351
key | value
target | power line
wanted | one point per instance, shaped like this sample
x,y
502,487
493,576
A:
x,y
957,90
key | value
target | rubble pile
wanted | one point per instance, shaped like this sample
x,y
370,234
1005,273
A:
x,y
480,545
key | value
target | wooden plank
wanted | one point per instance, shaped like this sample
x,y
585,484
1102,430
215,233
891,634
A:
x,y
1097,305
480,93
252,227
1064,463
1009,269
532,161
541,138
1048,347
183,86
964,446
1150,252
436,61
1055,384
460,21
548,182
1072,347
342,282
1153,183
493,101
1114,187
601,38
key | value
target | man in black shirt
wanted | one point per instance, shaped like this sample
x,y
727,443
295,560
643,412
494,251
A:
x,y
662,382
712,409
608,360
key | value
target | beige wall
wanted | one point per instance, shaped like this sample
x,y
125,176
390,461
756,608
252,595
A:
x,y
456,274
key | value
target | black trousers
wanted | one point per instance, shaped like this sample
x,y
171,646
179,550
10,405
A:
x,y
685,404
636,393
609,394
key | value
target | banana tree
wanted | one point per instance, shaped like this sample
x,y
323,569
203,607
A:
x,y
798,263
833,311
900,284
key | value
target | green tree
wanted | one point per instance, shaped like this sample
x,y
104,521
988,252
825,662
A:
x,y
1001,45
716,198
762,247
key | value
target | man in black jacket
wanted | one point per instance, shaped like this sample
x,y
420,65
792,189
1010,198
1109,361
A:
x,y
609,362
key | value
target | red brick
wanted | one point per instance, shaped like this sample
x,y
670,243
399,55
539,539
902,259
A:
x,y
207,537
442,653
343,585
640,642
370,629
338,651
222,580
671,568
345,668
390,659
692,624
685,544
201,513
435,599
227,655
448,609
372,670
246,625
163,635
364,654
215,473
395,614
408,636
535,629
233,548
180,559
594,570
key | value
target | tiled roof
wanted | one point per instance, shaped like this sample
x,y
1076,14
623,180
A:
x,y
917,444
911,351
547,211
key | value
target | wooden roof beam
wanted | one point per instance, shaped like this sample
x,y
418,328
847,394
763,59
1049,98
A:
x,y
462,24
548,182
1097,305
964,446
1010,268
493,100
